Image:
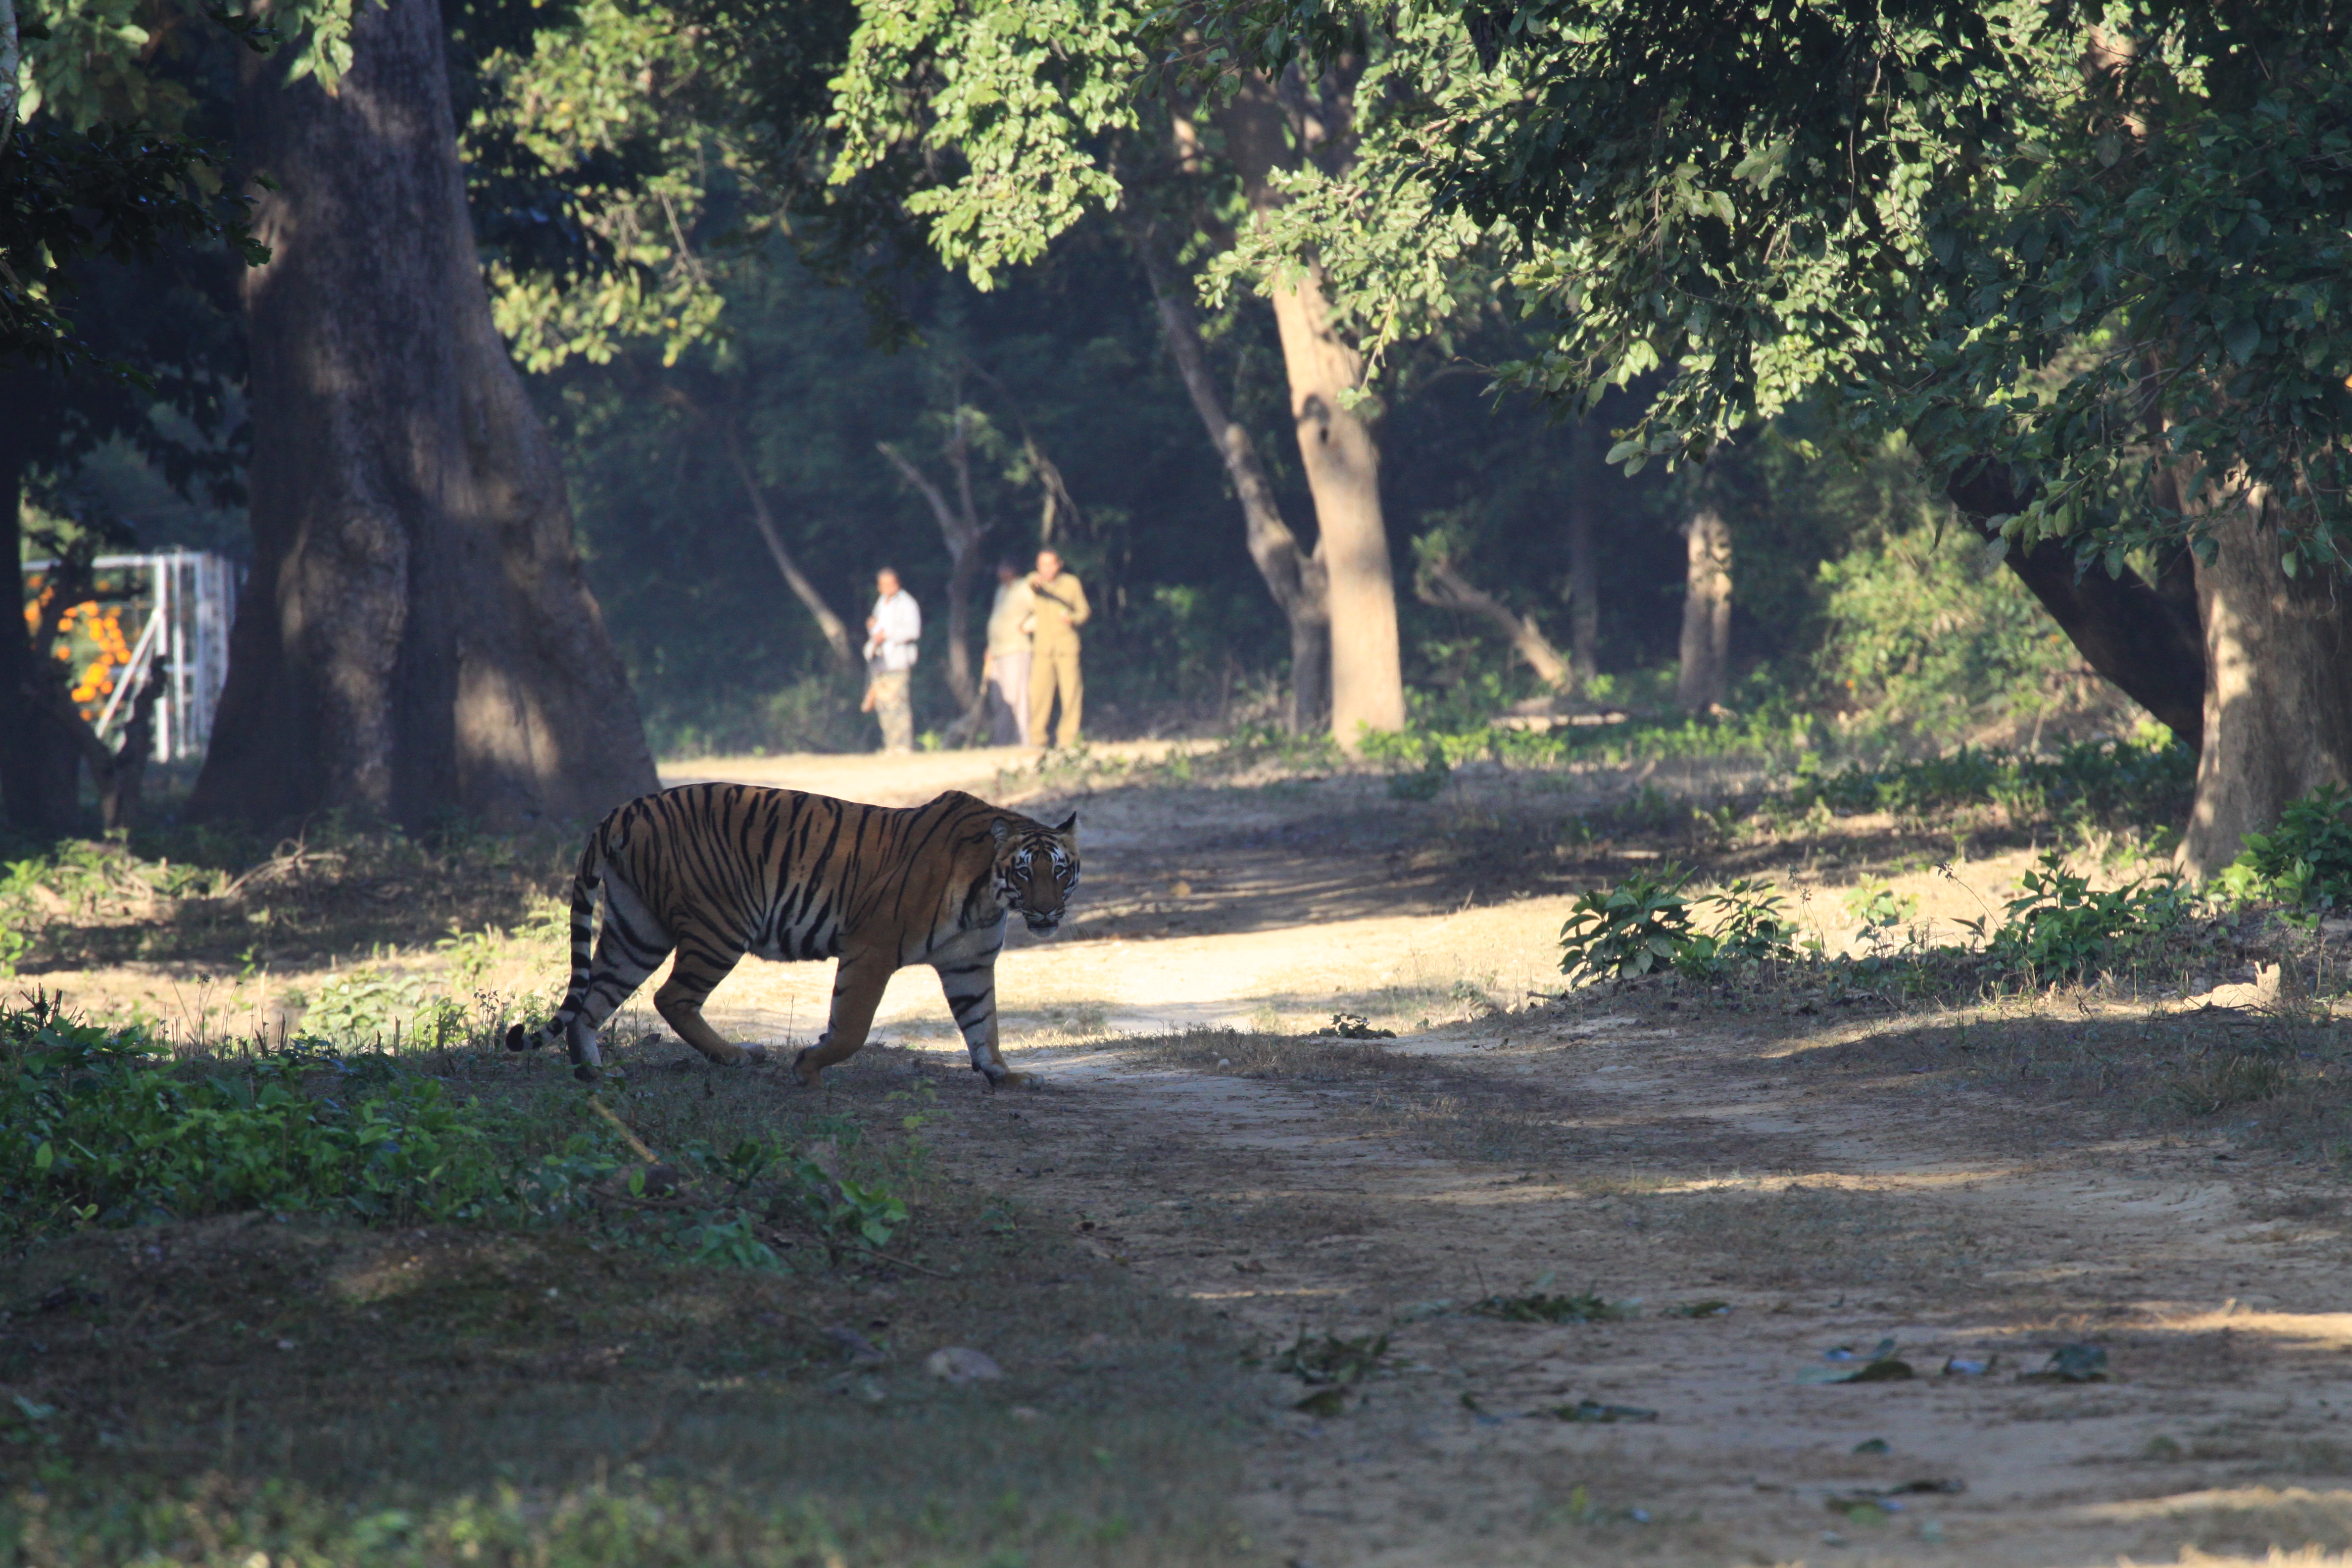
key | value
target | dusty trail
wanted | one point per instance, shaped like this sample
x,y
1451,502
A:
x,y
2221,1425
1671,1156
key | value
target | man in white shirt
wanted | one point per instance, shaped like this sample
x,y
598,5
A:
x,y
1007,671
891,633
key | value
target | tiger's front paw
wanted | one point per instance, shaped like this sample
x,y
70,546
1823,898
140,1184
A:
x,y
753,1057
802,1070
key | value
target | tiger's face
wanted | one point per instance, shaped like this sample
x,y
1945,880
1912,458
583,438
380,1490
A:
x,y
1036,872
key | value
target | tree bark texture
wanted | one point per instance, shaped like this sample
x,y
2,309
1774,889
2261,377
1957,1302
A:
x,y
835,630
961,532
2278,689
2146,638
1335,447
416,637
1294,577
40,783
1440,583
1707,614
1584,451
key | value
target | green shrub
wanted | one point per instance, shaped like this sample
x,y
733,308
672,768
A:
x,y
2056,925
1921,631
101,1127
1754,926
2306,862
1641,925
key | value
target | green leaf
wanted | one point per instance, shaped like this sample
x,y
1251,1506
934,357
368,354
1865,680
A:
x,y
2243,338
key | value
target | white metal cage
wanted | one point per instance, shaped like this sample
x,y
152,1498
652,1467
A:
x,y
189,599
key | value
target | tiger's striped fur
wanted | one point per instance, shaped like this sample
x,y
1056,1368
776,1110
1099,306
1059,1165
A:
x,y
713,871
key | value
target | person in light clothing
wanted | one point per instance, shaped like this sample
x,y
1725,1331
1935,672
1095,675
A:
x,y
1059,603
1007,667
891,633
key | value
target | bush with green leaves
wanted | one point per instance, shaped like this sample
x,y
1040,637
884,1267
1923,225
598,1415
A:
x,y
2305,863
1641,926
1751,927
101,1127
2058,926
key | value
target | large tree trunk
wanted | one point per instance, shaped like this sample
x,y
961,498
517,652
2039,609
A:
x,y
39,766
1335,447
1295,577
2278,689
1706,612
416,637
2145,637
1583,588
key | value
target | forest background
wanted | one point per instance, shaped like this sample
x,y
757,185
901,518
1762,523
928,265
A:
x,y
728,397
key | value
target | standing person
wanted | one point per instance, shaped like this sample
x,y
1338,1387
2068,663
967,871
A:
x,y
1007,669
1060,609
891,633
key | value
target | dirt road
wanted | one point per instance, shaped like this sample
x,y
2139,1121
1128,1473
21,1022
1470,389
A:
x,y
1833,1184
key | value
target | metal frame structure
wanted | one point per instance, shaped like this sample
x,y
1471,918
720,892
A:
x,y
191,598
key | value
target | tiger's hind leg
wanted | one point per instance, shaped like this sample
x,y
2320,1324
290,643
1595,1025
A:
x,y
703,961
631,946
858,986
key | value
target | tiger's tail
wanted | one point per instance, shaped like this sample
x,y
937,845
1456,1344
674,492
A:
x,y
584,883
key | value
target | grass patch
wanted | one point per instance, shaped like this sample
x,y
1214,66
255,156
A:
x,y
606,1379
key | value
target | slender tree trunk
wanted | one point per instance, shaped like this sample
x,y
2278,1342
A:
x,y
1583,585
1293,576
1706,612
961,531
1335,447
2278,689
837,632
416,637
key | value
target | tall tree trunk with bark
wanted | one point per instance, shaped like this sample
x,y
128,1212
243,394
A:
x,y
1335,447
39,767
1706,612
415,637
1583,586
1293,575
2278,689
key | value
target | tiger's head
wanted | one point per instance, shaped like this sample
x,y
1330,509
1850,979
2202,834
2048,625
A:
x,y
1036,869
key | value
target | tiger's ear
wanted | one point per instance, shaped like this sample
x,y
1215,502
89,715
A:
x,y
999,831
1068,823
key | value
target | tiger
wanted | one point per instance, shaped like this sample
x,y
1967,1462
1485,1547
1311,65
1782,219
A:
x,y
714,871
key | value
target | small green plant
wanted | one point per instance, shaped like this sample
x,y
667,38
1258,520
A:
x,y
1752,927
2056,925
2306,862
1638,926
365,1007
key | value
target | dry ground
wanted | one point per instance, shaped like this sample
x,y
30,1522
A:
x,y
1979,1181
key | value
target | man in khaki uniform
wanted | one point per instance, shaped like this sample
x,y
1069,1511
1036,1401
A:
x,y
1059,608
